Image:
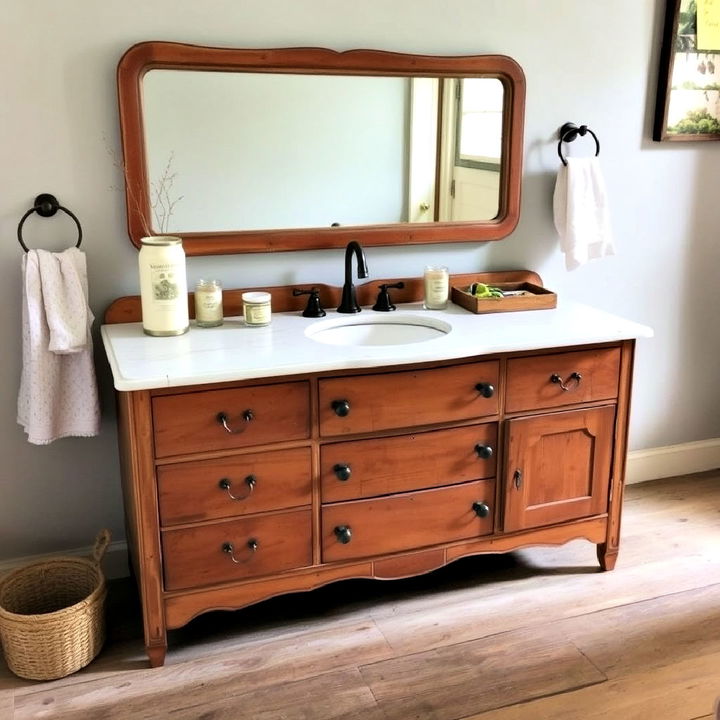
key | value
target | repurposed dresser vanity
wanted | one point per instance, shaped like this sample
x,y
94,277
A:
x,y
257,461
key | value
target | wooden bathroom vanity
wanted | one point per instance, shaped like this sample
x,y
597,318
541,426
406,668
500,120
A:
x,y
243,480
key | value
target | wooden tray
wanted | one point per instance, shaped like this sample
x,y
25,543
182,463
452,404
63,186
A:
x,y
535,297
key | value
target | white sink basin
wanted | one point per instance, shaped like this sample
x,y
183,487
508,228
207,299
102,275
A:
x,y
378,330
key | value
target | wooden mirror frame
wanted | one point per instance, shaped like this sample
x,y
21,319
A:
x,y
154,55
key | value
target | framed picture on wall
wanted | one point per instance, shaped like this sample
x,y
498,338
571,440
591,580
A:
x,y
688,98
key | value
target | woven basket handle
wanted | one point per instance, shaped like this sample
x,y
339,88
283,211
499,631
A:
x,y
101,545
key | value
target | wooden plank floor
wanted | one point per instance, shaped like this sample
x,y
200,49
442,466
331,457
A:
x,y
537,634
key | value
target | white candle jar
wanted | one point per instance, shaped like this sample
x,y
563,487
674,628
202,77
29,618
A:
x,y
437,287
256,308
208,303
163,286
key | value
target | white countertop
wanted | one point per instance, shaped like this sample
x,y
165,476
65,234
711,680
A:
x,y
235,351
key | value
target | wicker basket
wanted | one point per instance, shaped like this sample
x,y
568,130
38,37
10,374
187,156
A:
x,y
52,614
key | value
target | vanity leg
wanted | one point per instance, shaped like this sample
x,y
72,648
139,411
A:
x,y
607,557
156,654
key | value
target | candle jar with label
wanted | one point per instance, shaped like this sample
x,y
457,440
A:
x,y
256,308
437,287
163,286
208,303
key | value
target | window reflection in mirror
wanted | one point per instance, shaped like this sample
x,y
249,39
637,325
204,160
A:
x,y
255,151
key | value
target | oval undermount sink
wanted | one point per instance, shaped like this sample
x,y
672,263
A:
x,y
378,330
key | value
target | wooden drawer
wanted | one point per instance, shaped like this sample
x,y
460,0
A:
x,y
403,522
236,485
367,468
406,399
194,557
537,382
192,422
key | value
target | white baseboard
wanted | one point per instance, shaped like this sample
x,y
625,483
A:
x,y
672,460
642,465
114,564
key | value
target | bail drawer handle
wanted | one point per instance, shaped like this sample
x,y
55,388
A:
x,y
250,481
229,548
565,385
247,416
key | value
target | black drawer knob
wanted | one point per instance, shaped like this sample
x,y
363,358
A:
x,y
484,451
343,533
485,389
343,472
481,509
341,407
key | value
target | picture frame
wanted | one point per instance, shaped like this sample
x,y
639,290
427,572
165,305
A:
x,y
688,97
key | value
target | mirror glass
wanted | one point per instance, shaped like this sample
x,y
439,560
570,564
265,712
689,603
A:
x,y
254,150
260,151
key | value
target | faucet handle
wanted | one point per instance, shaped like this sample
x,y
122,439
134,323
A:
x,y
383,302
313,309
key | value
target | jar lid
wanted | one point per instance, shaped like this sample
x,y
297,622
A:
x,y
161,240
256,297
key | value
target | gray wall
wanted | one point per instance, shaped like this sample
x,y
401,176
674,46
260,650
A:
x,y
585,62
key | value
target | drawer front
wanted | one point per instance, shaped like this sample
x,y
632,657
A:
x,y
404,522
232,486
545,381
368,468
193,422
195,557
385,401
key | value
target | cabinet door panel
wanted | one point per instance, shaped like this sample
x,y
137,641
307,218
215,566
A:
x,y
408,399
558,467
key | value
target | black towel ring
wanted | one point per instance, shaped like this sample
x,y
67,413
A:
x,y
46,205
569,132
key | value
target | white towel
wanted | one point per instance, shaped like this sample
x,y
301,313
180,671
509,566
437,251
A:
x,y
58,394
580,211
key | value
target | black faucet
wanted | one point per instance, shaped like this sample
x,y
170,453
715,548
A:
x,y
349,304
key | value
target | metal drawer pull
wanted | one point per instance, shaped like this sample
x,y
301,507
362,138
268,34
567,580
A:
x,y
343,534
484,451
228,548
343,471
250,481
565,386
481,509
247,416
487,390
340,407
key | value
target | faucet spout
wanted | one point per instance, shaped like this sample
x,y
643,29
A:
x,y
348,303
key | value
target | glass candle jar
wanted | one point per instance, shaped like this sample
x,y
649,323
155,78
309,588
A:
x,y
208,303
256,308
437,287
163,286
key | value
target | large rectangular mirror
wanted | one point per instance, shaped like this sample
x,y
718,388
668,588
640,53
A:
x,y
256,150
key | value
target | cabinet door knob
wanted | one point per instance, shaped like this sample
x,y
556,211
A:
x,y
247,416
341,407
229,548
517,478
482,509
342,471
343,533
250,481
484,451
485,389
565,384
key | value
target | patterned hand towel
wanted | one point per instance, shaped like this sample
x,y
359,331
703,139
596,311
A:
x,y
58,394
